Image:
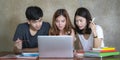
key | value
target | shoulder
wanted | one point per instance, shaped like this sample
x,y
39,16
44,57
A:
x,y
73,30
98,27
99,30
23,25
46,24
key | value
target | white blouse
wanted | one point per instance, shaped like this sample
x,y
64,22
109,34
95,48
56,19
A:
x,y
88,44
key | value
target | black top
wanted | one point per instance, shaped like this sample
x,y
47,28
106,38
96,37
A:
x,y
29,41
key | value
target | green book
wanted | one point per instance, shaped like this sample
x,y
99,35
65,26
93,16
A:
x,y
99,54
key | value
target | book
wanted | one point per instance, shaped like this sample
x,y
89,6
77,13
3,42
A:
x,y
104,48
102,51
108,48
23,55
29,54
99,54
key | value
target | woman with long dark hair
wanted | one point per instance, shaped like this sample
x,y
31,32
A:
x,y
88,34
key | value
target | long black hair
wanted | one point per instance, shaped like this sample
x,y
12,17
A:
x,y
83,12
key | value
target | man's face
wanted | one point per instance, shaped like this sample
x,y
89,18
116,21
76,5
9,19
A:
x,y
35,24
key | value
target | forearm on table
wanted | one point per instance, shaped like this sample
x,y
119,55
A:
x,y
30,50
97,43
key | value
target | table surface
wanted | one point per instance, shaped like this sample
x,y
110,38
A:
x,y
75,58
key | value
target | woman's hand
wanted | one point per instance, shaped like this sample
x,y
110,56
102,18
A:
x,y
97,41
93,28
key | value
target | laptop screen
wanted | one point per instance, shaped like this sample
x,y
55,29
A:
x,y
55,46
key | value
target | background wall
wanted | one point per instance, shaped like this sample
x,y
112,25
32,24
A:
x,y
106,12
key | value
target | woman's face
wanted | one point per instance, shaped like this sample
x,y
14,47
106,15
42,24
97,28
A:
x,y
81,22
60,22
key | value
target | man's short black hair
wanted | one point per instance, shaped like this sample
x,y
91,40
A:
x,y
33,13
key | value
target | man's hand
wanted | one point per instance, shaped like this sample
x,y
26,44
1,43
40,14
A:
x,y
18,44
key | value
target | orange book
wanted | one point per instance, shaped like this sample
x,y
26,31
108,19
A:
x,y
107,50
102,51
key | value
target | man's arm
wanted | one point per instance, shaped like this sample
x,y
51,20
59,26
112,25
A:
x,y
30,50
17,46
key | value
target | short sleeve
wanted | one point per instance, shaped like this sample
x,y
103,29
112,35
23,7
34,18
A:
x,y
18,33
100,34
46,27
99,31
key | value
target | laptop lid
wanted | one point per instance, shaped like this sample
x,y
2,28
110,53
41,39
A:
x,y
55,46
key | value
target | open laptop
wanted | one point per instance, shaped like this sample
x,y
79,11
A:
x,y
55,46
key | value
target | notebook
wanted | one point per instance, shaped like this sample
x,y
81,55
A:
x,y
55,46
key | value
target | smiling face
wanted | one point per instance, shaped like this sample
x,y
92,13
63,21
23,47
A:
x,y
35,24
81,22
60,22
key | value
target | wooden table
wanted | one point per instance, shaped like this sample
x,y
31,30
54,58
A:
x,y
75,58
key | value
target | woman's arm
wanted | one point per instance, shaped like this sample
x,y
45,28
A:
x,y
97,40
77,44
73,34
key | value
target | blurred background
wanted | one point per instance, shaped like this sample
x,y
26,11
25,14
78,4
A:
x,y
106,12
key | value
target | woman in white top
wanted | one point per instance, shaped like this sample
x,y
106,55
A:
x,y
89,34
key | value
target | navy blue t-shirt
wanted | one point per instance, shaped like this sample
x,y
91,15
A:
x,y
29,41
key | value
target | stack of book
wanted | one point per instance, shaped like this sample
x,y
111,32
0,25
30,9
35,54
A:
x,y
102,52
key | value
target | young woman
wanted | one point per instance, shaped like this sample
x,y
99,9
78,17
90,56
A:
x,y
61,24
89,35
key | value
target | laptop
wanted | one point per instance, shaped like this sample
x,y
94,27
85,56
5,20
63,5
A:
x,y
55,46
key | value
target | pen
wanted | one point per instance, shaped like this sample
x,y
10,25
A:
x,y
93,19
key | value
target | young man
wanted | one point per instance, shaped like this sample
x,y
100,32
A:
x,y
26,34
